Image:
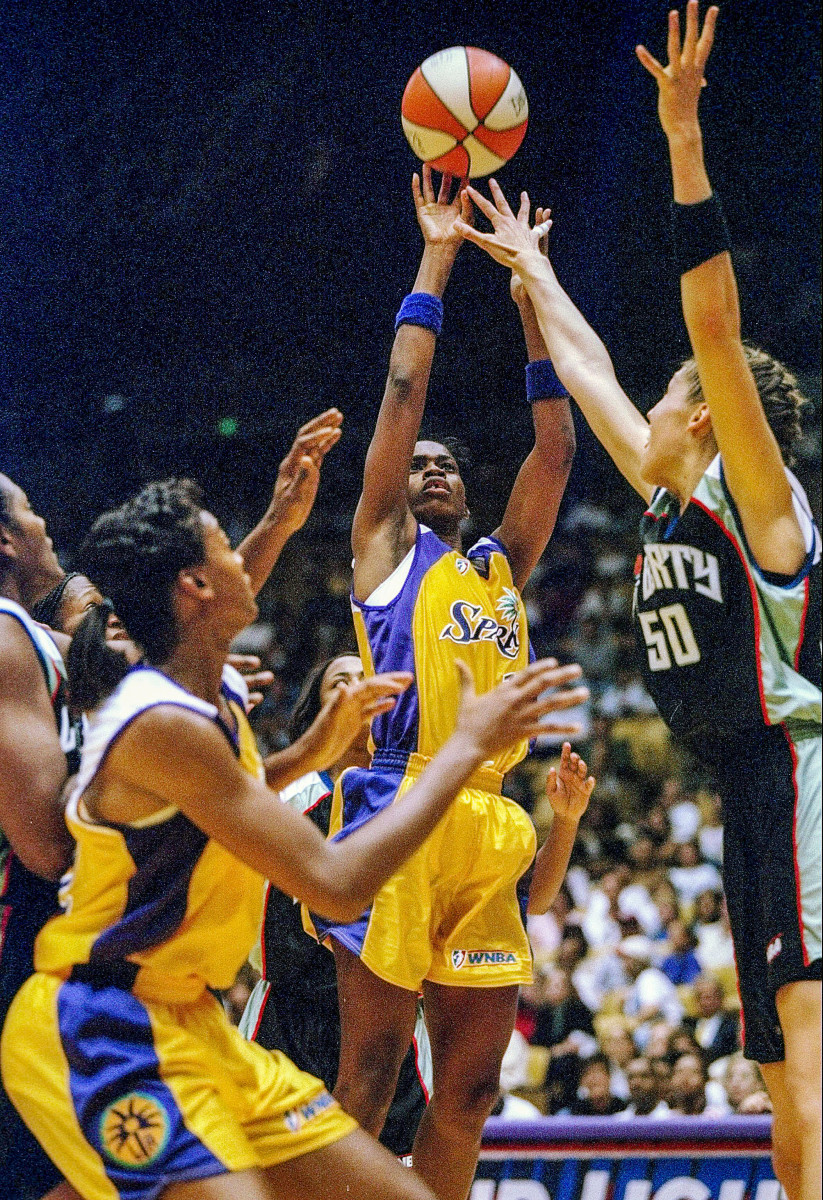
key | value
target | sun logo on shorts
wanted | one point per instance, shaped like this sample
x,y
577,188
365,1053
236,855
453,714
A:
x,y
134,1130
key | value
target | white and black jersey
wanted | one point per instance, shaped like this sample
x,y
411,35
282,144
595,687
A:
x,y
731,656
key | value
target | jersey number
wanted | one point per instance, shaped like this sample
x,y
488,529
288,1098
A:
x,y
673,639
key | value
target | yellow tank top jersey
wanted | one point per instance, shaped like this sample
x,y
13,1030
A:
x,y
439,606
450,914
156,904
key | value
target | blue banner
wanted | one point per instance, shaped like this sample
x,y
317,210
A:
x,y
591,1158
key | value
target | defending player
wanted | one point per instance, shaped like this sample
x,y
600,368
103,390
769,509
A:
x,y
117,1055
727,596
38,747
419,603
294,1006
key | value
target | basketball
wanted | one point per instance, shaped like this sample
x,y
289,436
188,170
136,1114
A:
x,y
464,111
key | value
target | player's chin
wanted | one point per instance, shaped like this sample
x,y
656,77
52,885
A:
x,y
437,506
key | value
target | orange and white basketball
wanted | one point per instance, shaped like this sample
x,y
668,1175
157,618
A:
x,y
464,111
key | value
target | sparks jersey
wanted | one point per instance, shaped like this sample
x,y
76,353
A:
x,y
435,607
57,684
156,905
727,648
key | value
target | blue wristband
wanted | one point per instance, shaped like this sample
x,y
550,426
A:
x,y
542,382
421,308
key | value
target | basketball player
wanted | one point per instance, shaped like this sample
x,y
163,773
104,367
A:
x,y
37,749
727,599
116,1053
419,603
294,1007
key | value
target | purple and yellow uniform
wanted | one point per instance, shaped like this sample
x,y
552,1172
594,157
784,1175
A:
x,y
450,914
116,1053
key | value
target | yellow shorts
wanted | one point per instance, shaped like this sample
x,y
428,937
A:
x,y
450,914
128,1096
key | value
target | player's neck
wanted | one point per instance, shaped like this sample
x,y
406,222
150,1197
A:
x,y
688,473
198,671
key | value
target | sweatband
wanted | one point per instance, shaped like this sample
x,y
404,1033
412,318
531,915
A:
x,y
421,308
699,232
542,382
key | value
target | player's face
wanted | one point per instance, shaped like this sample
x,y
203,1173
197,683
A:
x,y
343,670
117,639
35,560
79,596
436,492
234,600
668,432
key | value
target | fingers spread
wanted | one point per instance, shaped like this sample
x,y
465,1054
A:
x,y
499,199
485,206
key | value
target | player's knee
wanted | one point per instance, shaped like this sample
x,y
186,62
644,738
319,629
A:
x,y
471,1097
376,1066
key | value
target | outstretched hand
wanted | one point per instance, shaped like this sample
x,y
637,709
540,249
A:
x,y
348,708
513,711
299,475
542,224
681,80
568,786
512,240
438,217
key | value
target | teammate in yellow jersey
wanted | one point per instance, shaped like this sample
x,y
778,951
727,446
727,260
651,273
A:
x,y
115,1051
448,923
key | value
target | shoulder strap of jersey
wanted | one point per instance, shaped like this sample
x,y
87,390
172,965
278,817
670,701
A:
x,y
51,660
143,688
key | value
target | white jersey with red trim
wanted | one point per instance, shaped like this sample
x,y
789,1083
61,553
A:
x,y
727,648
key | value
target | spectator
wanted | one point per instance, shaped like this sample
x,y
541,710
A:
x,y
564,1023
691,875
650,994
710,834
594,975
546,929
688,1089
618,1047
594,1096
682,810
644,1089
716,1031
743,1082
514,1074
711,927
681,965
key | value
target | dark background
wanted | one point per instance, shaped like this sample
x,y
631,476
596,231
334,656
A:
x,y
207,216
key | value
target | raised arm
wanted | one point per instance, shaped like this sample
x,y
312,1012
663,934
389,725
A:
x,y
384,529
295,490
177,756
33,767
580,359
568,787
752,461
541,481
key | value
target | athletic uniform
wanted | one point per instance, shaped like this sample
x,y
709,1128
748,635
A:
x,y
294,1007
26,903
116,1053
450,914
732,659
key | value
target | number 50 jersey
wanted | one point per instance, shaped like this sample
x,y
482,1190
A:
x,y
727,648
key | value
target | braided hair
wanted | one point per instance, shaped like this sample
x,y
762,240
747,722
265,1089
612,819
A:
x,y
134,554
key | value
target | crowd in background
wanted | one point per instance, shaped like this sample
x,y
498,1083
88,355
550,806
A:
x,y
634,1006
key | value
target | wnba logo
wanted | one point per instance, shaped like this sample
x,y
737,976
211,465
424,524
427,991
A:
x,y
458,958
